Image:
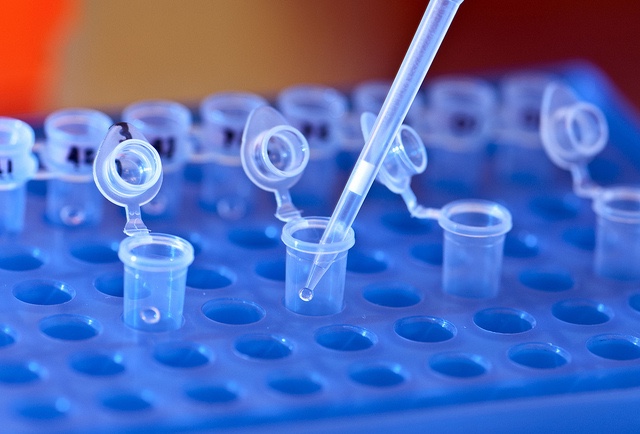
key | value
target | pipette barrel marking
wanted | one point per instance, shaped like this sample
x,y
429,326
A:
x,y
425,44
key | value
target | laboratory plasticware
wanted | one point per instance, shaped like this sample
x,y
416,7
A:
x,y
573,132
519,156
474,230
557,350
274,155
423,48
456,127
317,112
128,172
18,165
72,138
474,234
224,189
302,236
167,126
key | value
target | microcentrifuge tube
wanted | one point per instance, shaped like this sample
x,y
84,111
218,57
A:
x,y
166,125
456,127
72,138
317,112
128,172
573,132
18,165
224,188
519,157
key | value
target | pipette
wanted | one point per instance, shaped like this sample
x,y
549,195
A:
x,y
423,48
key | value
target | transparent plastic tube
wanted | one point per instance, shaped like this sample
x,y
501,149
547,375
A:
x,y
317,112
224,188
302,236
155,273
617,253
474,232
456,128
73,137
17,165
166,125
422,50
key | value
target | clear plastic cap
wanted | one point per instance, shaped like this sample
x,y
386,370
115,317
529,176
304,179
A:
x,y
572,131
274,155
128,172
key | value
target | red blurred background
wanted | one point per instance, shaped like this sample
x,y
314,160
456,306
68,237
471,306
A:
x,y
108,54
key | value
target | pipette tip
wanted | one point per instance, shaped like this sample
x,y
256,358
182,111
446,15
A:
x,y
305,294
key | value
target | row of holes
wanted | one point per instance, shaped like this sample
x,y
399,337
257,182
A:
x,y
51,292
517,244
381,375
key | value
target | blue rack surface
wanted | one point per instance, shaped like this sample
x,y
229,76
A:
x,y
558,348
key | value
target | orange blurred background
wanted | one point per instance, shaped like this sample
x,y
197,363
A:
x,y
106,54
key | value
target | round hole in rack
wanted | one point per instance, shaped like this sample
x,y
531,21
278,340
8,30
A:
x,y
251,238
581,311
425,329
204,278
555,208
44,409
182,354
272,269
634,302
127,401
43,292
345,338
539,355
233,311
615,347
431,253
97,364
521,244
212,393
550,281
366,262
96,253
391,294
7,336
295,385
110,284
581,237
377,375
459,365
264,347
402,223
15,372
504,320
21,259
70,327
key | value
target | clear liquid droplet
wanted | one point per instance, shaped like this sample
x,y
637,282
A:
x,y
306,294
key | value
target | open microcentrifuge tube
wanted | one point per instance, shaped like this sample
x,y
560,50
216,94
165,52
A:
x,y
166,125
474,230
73,136
18,165
128,172
274,154
573,132
224,116
429,35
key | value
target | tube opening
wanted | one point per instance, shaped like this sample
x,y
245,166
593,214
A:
x,y
619,204
475,218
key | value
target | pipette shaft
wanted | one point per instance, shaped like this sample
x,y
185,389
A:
x,y
423,48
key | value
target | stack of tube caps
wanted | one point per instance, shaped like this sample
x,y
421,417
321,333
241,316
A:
x,y
494,259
